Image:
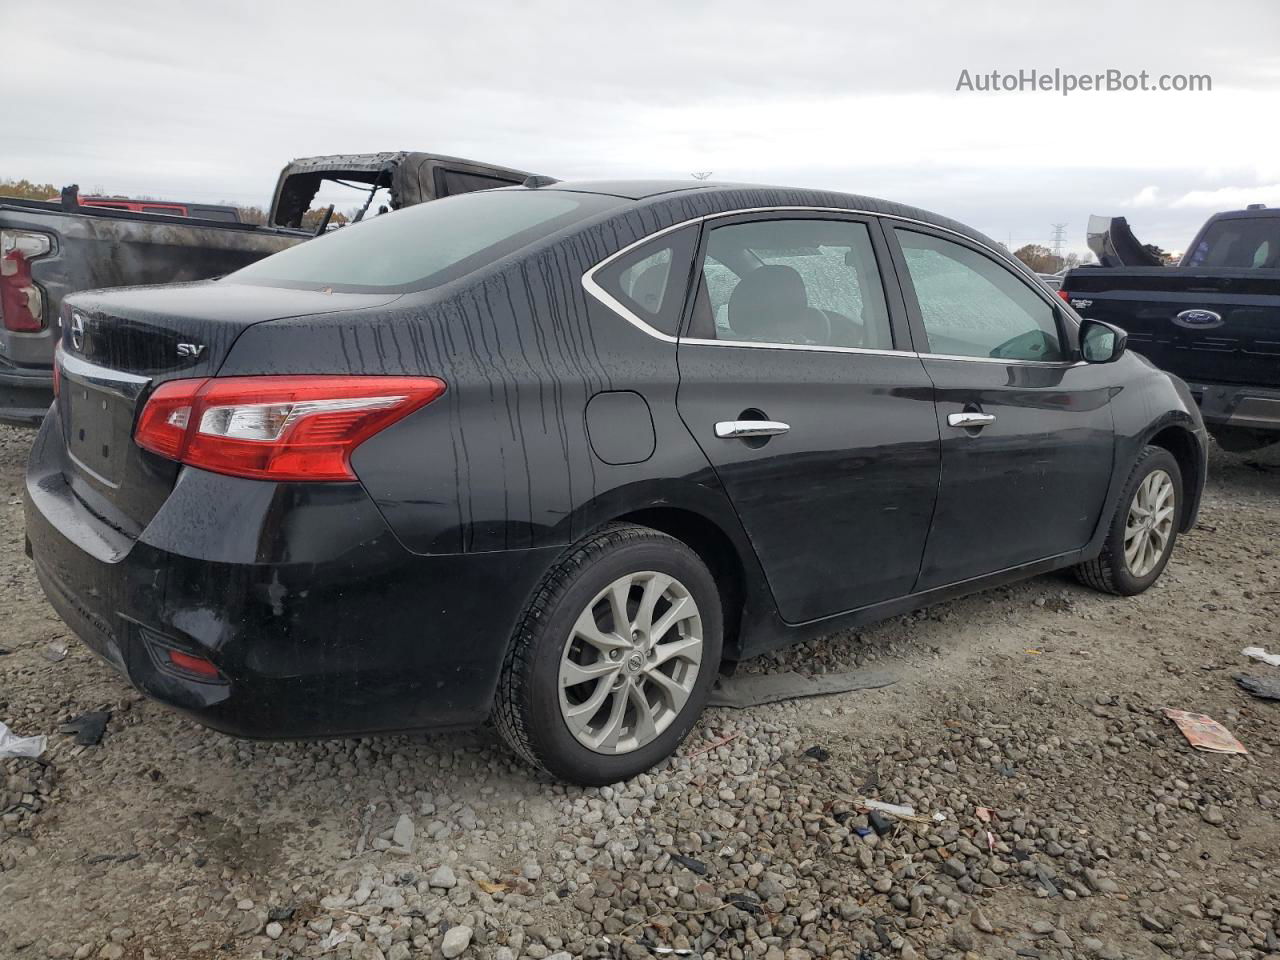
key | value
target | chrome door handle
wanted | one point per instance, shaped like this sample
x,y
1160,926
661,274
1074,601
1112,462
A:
x,y
970,419
739,429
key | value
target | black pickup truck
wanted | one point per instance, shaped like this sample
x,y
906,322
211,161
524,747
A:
x,y
52,248
1213,320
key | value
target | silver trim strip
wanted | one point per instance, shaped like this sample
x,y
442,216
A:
x,y
769,345
1021,363
593,288
127,385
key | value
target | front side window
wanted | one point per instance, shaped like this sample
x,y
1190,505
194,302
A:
x,y
650,280
972,306
803,281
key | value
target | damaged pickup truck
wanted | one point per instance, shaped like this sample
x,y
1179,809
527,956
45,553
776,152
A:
x,y
1213,320
52,248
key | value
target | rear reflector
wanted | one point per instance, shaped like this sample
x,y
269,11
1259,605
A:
x,y
194,665
276,428
1064,295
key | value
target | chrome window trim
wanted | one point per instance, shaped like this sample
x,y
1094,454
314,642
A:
x,y
590,285
812,348
1027,363
593,288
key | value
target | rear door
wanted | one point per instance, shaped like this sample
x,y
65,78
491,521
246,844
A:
x,y
798,382
1027,434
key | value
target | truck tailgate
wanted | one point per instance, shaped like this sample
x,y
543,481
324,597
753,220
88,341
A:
x,y
1205,325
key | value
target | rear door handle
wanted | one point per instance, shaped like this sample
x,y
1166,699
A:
x,y
738,429
970,419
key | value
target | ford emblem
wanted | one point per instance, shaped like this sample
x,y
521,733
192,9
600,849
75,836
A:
x,y
1198,319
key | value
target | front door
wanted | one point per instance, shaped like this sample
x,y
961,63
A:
x,y
1027,435
797,382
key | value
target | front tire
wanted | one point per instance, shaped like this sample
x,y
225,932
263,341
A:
x,y
613,659
1143,531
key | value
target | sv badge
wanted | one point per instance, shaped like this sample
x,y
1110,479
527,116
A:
x,y
192,350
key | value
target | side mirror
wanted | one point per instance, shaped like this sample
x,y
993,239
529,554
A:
x,y
1101,342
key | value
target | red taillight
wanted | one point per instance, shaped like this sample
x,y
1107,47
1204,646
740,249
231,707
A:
x,y
276,428
21,299
195,665
1064,295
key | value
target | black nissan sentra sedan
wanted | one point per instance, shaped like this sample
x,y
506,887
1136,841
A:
x,y
553,454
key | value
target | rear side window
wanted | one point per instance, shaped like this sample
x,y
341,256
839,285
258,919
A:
x,y
1242,244
449,182
424,245
972,306
802,281
650,281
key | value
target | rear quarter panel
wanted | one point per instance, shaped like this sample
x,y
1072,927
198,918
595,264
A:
x,y
503,460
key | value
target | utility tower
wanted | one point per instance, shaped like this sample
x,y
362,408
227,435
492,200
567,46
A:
x,y
1059,238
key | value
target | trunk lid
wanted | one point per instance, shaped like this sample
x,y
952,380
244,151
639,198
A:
x,y
118,345
1202,324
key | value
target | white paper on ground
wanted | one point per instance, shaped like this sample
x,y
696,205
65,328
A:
x,y
1260,654
12,745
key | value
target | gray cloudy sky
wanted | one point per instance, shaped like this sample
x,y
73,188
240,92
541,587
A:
x,y
208,100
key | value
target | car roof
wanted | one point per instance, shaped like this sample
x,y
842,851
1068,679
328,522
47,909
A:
x,y
635,189
675,200
1259,213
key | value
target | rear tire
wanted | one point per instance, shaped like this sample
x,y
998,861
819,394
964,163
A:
x,y
594,702
1143,530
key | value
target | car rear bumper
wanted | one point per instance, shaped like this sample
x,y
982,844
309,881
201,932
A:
x,y
1233,405
25,393
318,620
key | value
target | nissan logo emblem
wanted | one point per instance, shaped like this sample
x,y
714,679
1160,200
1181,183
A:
x,y
77,330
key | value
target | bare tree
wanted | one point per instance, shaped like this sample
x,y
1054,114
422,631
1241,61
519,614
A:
x,y
702,174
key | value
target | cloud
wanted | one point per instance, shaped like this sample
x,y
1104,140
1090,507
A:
x,y
1229,198
1148,196
855,97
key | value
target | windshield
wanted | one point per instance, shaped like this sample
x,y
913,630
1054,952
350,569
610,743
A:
x,y
424,245
1245,243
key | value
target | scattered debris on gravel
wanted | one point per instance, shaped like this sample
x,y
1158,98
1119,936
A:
x,y
1055,811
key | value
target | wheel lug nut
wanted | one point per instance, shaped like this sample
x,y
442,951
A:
x,y
615,654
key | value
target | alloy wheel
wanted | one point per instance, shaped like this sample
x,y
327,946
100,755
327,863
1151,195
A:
x,y
630,662
1149,526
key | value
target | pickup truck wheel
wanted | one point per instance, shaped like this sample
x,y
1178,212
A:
x,y
1143,530
613,659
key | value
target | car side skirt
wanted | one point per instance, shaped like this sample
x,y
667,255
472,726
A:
x,y
771,633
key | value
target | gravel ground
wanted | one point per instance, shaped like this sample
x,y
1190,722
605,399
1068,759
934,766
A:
x,y
1107,835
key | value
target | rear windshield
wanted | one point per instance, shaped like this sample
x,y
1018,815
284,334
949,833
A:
x,y
424,245
1246,243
